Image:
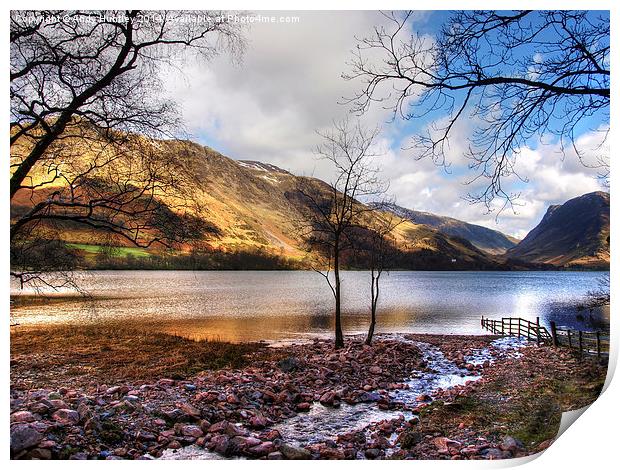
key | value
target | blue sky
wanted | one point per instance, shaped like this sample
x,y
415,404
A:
x,y
289,85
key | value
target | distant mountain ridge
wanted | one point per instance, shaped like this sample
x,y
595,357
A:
x,y
252,207
571,235
483,238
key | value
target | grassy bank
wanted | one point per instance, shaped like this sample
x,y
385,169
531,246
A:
x,y
49,356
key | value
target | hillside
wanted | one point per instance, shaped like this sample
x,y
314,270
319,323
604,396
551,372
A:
x,y
250,206
483,238
572,235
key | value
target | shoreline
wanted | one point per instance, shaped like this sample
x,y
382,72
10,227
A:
x,y
231,401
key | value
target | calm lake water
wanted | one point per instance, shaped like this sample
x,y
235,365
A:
x,y
259,305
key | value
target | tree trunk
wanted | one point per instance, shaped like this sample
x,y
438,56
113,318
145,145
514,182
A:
x,y
339,343
373,309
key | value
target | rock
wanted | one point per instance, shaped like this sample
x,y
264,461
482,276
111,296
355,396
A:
x,y
66,416
443,444
423,397
329,399
495,454
112,390
289,364
57,404
191,430
332,454
221,445
219,427
274,456
40,408
304,406
165,382
84,411
511,444
40,454
258,422
375,370
22,417
294,453
372,453
262,449
189,409
370,397
24,436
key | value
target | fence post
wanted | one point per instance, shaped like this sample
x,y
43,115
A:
x,y
570,343
554,334
537,331
580,342
598,344
482,321
502,327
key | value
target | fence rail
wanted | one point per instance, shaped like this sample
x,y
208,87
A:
x,y
586,342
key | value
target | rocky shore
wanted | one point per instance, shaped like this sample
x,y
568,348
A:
x,y
243,412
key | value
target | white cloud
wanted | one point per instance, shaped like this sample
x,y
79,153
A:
x,y
289,84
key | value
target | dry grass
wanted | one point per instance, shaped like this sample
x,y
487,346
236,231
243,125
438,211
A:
x,y
109,353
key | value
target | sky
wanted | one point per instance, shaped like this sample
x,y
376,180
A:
x,y
288,85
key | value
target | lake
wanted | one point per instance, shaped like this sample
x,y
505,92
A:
x,y
277,305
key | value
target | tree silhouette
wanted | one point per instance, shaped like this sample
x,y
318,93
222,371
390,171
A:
x,y
518,74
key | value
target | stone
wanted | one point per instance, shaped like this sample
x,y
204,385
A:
x,y
24,436
191,430
511,444
40,454
443,444
262,449
291,452
304,406
329,399
375,370
274,456
66,416
258,422
22,417
189,409
370,397
220,444
289,364
372,453
495,454
332,454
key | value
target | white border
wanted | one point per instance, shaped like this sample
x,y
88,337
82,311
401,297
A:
x,y
591,442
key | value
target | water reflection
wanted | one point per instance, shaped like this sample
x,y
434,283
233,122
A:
x,y
243,306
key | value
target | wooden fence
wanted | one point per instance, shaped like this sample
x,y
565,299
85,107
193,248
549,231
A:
x,y
586,342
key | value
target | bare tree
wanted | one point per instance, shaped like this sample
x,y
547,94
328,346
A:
x,y
86,106
380,246
599,297
334,212
520,74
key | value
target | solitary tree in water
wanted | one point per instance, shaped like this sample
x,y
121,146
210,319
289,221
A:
x,y
380,248
334,212
86,107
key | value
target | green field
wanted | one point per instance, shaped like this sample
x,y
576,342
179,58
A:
x,y
122,251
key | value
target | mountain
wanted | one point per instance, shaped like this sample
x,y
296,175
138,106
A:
x,y
572,235
252,207
483,238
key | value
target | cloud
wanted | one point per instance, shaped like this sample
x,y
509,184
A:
x,y
289,84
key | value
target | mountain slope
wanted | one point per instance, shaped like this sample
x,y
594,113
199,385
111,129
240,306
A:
x,y
483,238
574,234
252,206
